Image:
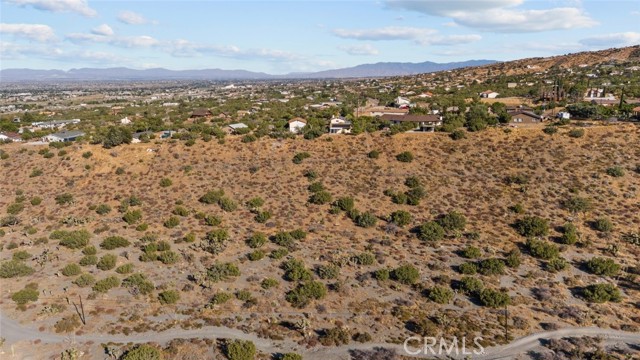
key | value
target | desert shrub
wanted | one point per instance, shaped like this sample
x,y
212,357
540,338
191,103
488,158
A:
x,y
125,269
227,204
244,295
458,134
290,356
168,257
576,133
306,292
283,238
311,174
9,221
140,283
215,241
20,255
119,170
335,336
430,232
298,234
471,252
405,156
316,187
103,209
513,259
329,271
67,324
220,298
89,250
114,242
35,173
262,217
255,203
74,239
570,234
132,217
556,264
373,154
468,268
256,255
491,266
143,352
180,211
222,271
412,182
36,200
279,253
603,225
28,294
212,197
577,204
602,266
405,274
400,218
365,258
85,280
256,240
470,285
63,199
295,270
240,350
107,262
532,226
71,270
345,203
87,154
440,294
88,260
493,298
268,283
542,249
106,284
601,293
550,130
399,198
15,208
212,220
452,221
615,171
169,297
366,220
299,157
320,198
382,274
171,222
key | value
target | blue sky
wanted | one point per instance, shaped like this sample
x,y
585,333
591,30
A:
x,y
291,36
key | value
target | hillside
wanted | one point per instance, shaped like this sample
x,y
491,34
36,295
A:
x,y
493,178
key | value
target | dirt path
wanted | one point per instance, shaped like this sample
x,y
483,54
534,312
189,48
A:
x,y
14,332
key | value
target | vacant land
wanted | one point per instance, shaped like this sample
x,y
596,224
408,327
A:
x,y
155,209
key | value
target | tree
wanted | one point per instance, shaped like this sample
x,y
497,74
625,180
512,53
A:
x,y
494,299
602,266
430,232
532,226
406,274
601,293
452,221
240,350
143,352
405,156
116,136
400,218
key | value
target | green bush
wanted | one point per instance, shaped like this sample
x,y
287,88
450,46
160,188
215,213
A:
x,y
20,255
71,270
63,199
35,173
345,203
306,292
143,352
320,198
412,182
430,232
550,130
470,285
255,203
114,242
140,283
542,249
316,187
222,271
227,204
240,350
329,271
601,293
365,258
212,220
28,294
256,240
373,154
298,234
36,200
291,356
576,133
268,283
335,336
168,257
114,136
15,208
440,294
405,156
556,264
295,270
171,222
615,171
107,262
452,221
299,157
125,269
471,252
366,220
169,297
603,225
212,197
405,274
262,217
132,217
103,209
85,280
577,204
602,266
106,284
493,298
400,218
458,134
181,211
532,226
513,259
88,260
279,253
283,238
468,268
220,298
570,234
256,255
491,266
74,239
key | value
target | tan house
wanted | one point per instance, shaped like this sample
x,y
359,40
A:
x,y
524,117
423,123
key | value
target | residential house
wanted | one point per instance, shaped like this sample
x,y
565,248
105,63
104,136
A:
x,y
125,121
423,123
232,128
55,124
200,113
489,94
563,115
524,117
339,125
141,136
636,112
10,136
296,124
64,136
402,102
381,110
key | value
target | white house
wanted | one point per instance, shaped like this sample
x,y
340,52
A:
x,y
232,128
55,123
489,94
64,136
339,125
400,101
563,115
10,136
296,124
125,121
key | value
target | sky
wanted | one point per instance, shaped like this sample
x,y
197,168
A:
x,y
280,37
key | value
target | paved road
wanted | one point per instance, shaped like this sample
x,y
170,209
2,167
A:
x,y
14,332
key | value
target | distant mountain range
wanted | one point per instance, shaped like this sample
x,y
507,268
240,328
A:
x,y
122,74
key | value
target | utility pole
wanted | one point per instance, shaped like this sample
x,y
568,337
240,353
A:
x,y
81,311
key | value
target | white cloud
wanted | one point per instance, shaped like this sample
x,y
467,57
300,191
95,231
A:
x,y
12,51
448,40
611,40
37,32
120,41
185,48
131,18
386,33
499,15
365,49
104,30
78,6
